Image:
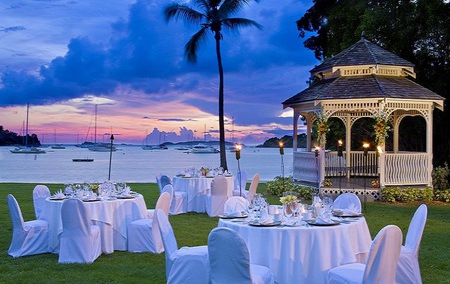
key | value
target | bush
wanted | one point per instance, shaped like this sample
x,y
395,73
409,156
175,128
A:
x,y
406,194
440,177
280,185
442,195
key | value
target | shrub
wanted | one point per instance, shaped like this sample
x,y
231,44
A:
x,y
406,194
280,185
442,195
440,177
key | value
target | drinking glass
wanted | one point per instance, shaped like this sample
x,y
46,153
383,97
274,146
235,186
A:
x,y
287,211
328,203
295,207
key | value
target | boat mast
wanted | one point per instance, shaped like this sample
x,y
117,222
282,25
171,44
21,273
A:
x,y
26,127
95,126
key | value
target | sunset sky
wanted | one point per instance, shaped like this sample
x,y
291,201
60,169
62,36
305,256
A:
x,y
64,57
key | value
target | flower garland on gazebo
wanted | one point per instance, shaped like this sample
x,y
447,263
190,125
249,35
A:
x,y
381,128
322,128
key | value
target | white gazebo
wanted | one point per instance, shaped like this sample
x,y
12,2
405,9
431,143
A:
x,y
364,80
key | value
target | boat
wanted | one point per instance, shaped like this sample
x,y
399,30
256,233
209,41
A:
x,y
58,146
83,160
27,149
102,147
203,149
155,147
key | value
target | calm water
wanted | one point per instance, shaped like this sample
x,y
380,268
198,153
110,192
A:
x,y
131,164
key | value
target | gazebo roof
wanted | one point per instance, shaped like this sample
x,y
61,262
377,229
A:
x,y
356,87
363,52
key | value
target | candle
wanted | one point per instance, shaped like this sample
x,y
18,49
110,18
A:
x,y
340,148
281,148
366,148
316,152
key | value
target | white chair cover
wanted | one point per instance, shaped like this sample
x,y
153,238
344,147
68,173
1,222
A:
x,y
240,183
345,201
235,204
381,264
408,270
215,200
169,189
230,260
158,182
40,193
184,265
143,234
179,203
253,187
29,237
80,240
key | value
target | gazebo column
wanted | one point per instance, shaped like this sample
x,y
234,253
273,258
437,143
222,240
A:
x,y
430,144
381,165
395,133
295,135
348,145
309,122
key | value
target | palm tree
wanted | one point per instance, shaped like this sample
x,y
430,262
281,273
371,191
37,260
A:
x,y
214,15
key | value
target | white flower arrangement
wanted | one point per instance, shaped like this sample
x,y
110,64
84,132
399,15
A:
x,y
288,199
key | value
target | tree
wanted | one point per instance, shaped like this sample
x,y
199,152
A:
x,y
416,30
214,15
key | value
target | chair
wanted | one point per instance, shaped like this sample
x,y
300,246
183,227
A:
x,y
40,193
143,234
381,264
169,189
345,201
216,198
253,187
230,260
158,182
28,238
408,270
240,183
80,240
184,265
235,204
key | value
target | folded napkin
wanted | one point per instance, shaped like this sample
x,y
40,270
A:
x,y
351,210
127,190
231,211
59,194
265,217
324,219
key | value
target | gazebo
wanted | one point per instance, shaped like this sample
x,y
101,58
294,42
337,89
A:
x,y
362,81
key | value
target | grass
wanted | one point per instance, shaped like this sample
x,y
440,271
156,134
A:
x,y
190,230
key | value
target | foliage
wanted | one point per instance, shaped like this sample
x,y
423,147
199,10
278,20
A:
x,y
214,15
322,128
440,177
381,128
418,31
406,194
280,185
442,195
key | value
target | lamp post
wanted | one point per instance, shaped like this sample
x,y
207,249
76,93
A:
x,y
340,154
282,161
110,155
366,151
316,154
238,157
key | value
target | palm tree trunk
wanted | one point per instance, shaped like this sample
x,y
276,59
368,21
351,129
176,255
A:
x,y
223,154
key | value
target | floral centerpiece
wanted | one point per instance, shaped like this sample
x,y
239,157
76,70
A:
x,y
322,128
94,187
381,128
288,199
327,182
375,183
205,171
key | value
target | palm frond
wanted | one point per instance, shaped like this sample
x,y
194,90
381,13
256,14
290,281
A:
x,y
231,7
233,24
181,11
191,47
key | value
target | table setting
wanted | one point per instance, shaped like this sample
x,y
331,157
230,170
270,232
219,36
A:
x,y
299,241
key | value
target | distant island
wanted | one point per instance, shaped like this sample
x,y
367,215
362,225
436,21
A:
x,y
9,138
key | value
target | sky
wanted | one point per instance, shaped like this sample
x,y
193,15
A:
x,y
63,57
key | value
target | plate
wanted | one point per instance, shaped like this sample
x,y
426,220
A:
x,y
235,217
126,197
313,223
256,224
341,214
91,200
58,198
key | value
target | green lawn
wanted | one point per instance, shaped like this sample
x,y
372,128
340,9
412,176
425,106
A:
x,y
192,229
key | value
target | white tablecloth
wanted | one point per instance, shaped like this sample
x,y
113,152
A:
x,y
304,254
113,217
196,189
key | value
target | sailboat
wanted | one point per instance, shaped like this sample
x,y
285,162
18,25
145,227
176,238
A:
x,y
95,146
160,146
57,146
27,149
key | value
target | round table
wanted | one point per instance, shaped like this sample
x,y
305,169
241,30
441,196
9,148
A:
x,y
196,189
113,217
304,254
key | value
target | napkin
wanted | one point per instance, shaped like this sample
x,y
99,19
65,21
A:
x,y
351,210
232,211
265,217
324,219
59,194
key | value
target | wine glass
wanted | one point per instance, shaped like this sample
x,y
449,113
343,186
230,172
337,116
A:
x,y
328,203
295,207
287,211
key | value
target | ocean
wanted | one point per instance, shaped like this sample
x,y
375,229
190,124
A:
x,y
132,164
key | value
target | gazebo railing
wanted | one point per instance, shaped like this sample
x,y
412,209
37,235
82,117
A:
x,y
406,168
306,168
360,165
